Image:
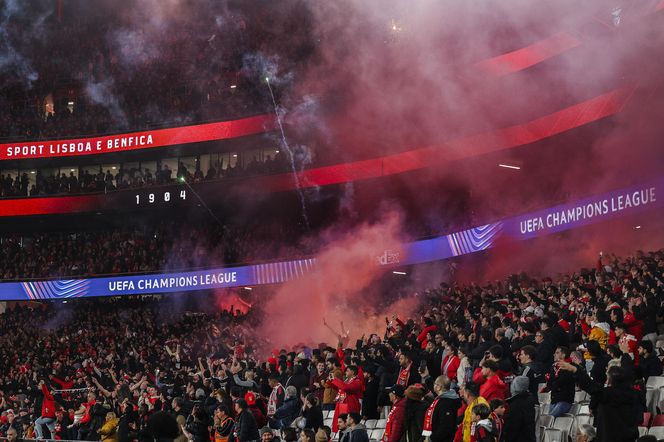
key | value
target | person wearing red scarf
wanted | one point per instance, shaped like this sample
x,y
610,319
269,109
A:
x,y
396,420
440,418
276,396
408,373
349,394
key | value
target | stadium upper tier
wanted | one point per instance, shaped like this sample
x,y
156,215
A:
x,y
269,159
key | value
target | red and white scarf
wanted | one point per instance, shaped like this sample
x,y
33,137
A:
x,y
388,423
273,401
341,395
404,375
428,418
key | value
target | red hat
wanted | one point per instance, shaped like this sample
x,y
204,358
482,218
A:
x,y
250,397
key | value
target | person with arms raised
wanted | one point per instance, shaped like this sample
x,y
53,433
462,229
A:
x,y
615,406
47,413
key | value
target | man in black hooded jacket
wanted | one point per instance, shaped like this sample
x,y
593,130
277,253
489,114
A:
x,y
616,407
440,418
520,421
245,424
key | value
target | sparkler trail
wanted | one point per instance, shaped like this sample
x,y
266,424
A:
x,y
202,202
286,146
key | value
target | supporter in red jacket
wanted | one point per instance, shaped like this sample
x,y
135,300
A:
x,y
395,425
429,327
450,363
349,393
47,413
634,324
491,386
628,343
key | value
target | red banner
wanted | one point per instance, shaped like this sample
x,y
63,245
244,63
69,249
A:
x,y
529,56
137,140
574,116
532,131
50,205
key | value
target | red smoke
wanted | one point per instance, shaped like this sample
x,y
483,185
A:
x,y
232,301
340,289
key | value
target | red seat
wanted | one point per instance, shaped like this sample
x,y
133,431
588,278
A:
x,y
658,420
646,420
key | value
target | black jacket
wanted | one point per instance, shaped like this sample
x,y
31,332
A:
x,y
370,400
561,337
245,428
286,414
598,372
519,343
562,386
358,434
443,421
534,371
478,353
617,410
650,366
313,417
199,430
520,420
415,411
434,361
299,380
547,347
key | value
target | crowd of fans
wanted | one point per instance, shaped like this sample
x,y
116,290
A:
x,y
133,178
166,247
123,75
470,367
126,75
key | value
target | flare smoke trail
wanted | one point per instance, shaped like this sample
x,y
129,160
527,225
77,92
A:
x,y
291,157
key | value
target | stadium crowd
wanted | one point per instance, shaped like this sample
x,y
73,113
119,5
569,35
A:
x,y
164,247
18,185
124,75
471,366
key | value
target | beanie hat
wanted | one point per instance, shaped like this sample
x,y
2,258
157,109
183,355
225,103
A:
x,y
519,385
250,397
